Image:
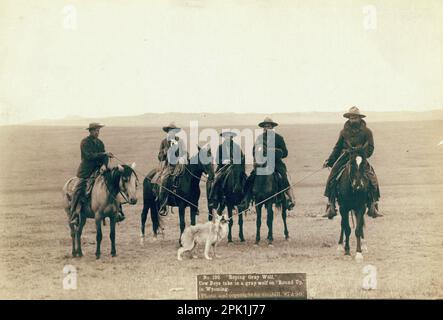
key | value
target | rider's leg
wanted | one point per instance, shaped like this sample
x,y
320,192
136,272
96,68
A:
x,y
77,199
331,210
289,196
163,191
249,184
121,216
373,194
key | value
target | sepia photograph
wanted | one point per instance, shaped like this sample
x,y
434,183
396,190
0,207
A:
x,y
221,150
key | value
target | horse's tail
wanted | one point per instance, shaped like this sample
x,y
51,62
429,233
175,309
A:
x,y
67,191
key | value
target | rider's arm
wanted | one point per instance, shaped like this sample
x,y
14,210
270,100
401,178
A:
x,y
280,148
369,149
336,152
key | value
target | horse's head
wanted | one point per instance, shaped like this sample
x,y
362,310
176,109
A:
x,y
128,183
359,182
205,161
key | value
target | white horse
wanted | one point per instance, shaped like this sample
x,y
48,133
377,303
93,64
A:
x,y
113,187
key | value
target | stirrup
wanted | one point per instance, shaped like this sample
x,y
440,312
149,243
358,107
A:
x,y
373,211
331,211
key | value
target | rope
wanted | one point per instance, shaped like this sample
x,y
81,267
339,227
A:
x,y
283,190
167,189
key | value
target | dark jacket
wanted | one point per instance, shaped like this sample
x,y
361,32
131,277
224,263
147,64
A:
x,y
279,144
92,155
164,147
353,137
224,154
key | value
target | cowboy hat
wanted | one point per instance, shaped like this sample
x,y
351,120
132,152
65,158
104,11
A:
x,y
226,134
95,125
267,121
171,126
353,111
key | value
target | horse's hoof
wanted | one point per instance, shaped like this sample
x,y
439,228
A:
x,y
242,239
79,254
347,253
230,240
340,249
359,257
256,243
154,238
113,254
287,237
270,244
97,256
74,254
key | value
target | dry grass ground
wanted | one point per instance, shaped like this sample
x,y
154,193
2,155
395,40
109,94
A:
x,y
405,246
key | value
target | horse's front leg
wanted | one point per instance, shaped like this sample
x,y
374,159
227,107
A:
x,y
82,221
344,212
73,235
269,222
230,223
240,226
359,215
258,224
193,210
98,227
181,215
112,236
284,215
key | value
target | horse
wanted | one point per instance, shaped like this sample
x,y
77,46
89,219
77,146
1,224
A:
x,y
266,192
112,187
232,184
352,194
185,195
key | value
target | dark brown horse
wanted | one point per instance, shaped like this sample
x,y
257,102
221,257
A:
x,y
266,192
187,193
352,195
232,184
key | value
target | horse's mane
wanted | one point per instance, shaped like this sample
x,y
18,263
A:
x,y
112,177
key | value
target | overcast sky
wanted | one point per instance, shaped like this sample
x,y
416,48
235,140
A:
x,y
104,58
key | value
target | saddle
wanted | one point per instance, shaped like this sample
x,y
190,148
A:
x,y
172,173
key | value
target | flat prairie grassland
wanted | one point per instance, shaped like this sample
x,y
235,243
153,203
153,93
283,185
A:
x,y
405,246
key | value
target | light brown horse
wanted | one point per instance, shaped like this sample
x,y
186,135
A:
x,y
112,188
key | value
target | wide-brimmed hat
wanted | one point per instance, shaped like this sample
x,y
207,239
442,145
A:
x,y
95,125
227,134
267,121
353,111
171,126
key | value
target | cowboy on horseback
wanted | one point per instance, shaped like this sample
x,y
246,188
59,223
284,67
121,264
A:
x,y
271,146
93,156
172,156
228,153
355,135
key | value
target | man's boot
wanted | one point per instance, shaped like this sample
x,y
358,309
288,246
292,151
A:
x,y
289,202
75,219
331,210
120,215
373,210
